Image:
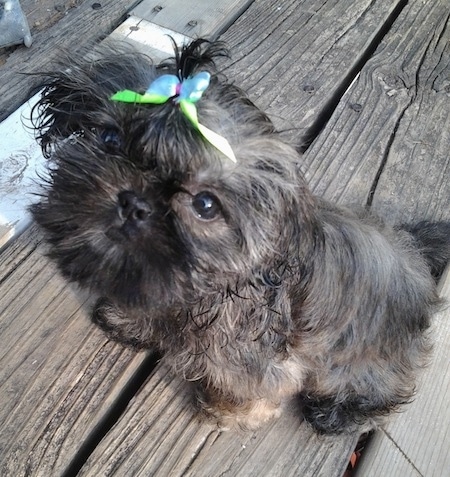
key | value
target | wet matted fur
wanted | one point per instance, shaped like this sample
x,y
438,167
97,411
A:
x,y
248,284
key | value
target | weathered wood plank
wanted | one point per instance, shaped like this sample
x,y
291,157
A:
x,y
157,435
72,31
356,143
396,116
201,18
296,58
416,442
18,251
153,40
388,459
59,377
415,180
20,159
284,448
160,435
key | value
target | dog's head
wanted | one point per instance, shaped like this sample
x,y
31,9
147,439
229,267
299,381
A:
x,y
140,205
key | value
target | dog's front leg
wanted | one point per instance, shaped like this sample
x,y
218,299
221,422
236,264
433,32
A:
x,y
230,412
130,328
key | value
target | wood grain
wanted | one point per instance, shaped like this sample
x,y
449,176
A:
x,y
296,58
201,18
383,457
59,377
284,448
374,130
415,180
18,251
157,435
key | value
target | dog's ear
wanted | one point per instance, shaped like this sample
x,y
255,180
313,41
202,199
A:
x,y
76,97
60,110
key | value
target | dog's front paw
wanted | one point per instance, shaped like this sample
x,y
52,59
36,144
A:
x,y
105,315
248,416
256,415
119,326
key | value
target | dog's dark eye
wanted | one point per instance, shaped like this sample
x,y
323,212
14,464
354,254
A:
x,y
111,138
206,205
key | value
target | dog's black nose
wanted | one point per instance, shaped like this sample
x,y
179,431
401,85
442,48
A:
x,y
133,208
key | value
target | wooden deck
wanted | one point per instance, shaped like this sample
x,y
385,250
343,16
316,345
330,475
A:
x,y
364,90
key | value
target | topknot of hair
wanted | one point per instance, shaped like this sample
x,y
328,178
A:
x,y
194,56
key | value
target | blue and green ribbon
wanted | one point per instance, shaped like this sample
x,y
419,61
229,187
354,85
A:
x,y
185,93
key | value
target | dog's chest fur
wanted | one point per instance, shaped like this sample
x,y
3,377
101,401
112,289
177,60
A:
x,y
237,341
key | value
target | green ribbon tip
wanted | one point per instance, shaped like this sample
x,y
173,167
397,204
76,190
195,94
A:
x,y
219,142
128,96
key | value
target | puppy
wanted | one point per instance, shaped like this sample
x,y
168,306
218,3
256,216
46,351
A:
x,y
171,197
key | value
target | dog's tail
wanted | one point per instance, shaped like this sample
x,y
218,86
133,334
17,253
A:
x,y
433,241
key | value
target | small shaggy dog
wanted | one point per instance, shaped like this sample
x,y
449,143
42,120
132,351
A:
x,y
172,198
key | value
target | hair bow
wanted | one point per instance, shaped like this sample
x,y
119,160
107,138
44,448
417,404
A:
x,y
185,93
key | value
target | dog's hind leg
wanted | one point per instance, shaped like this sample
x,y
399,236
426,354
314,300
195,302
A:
x,y
433,242
333,415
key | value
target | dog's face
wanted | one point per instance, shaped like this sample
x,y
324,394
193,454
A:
x,y
141,208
